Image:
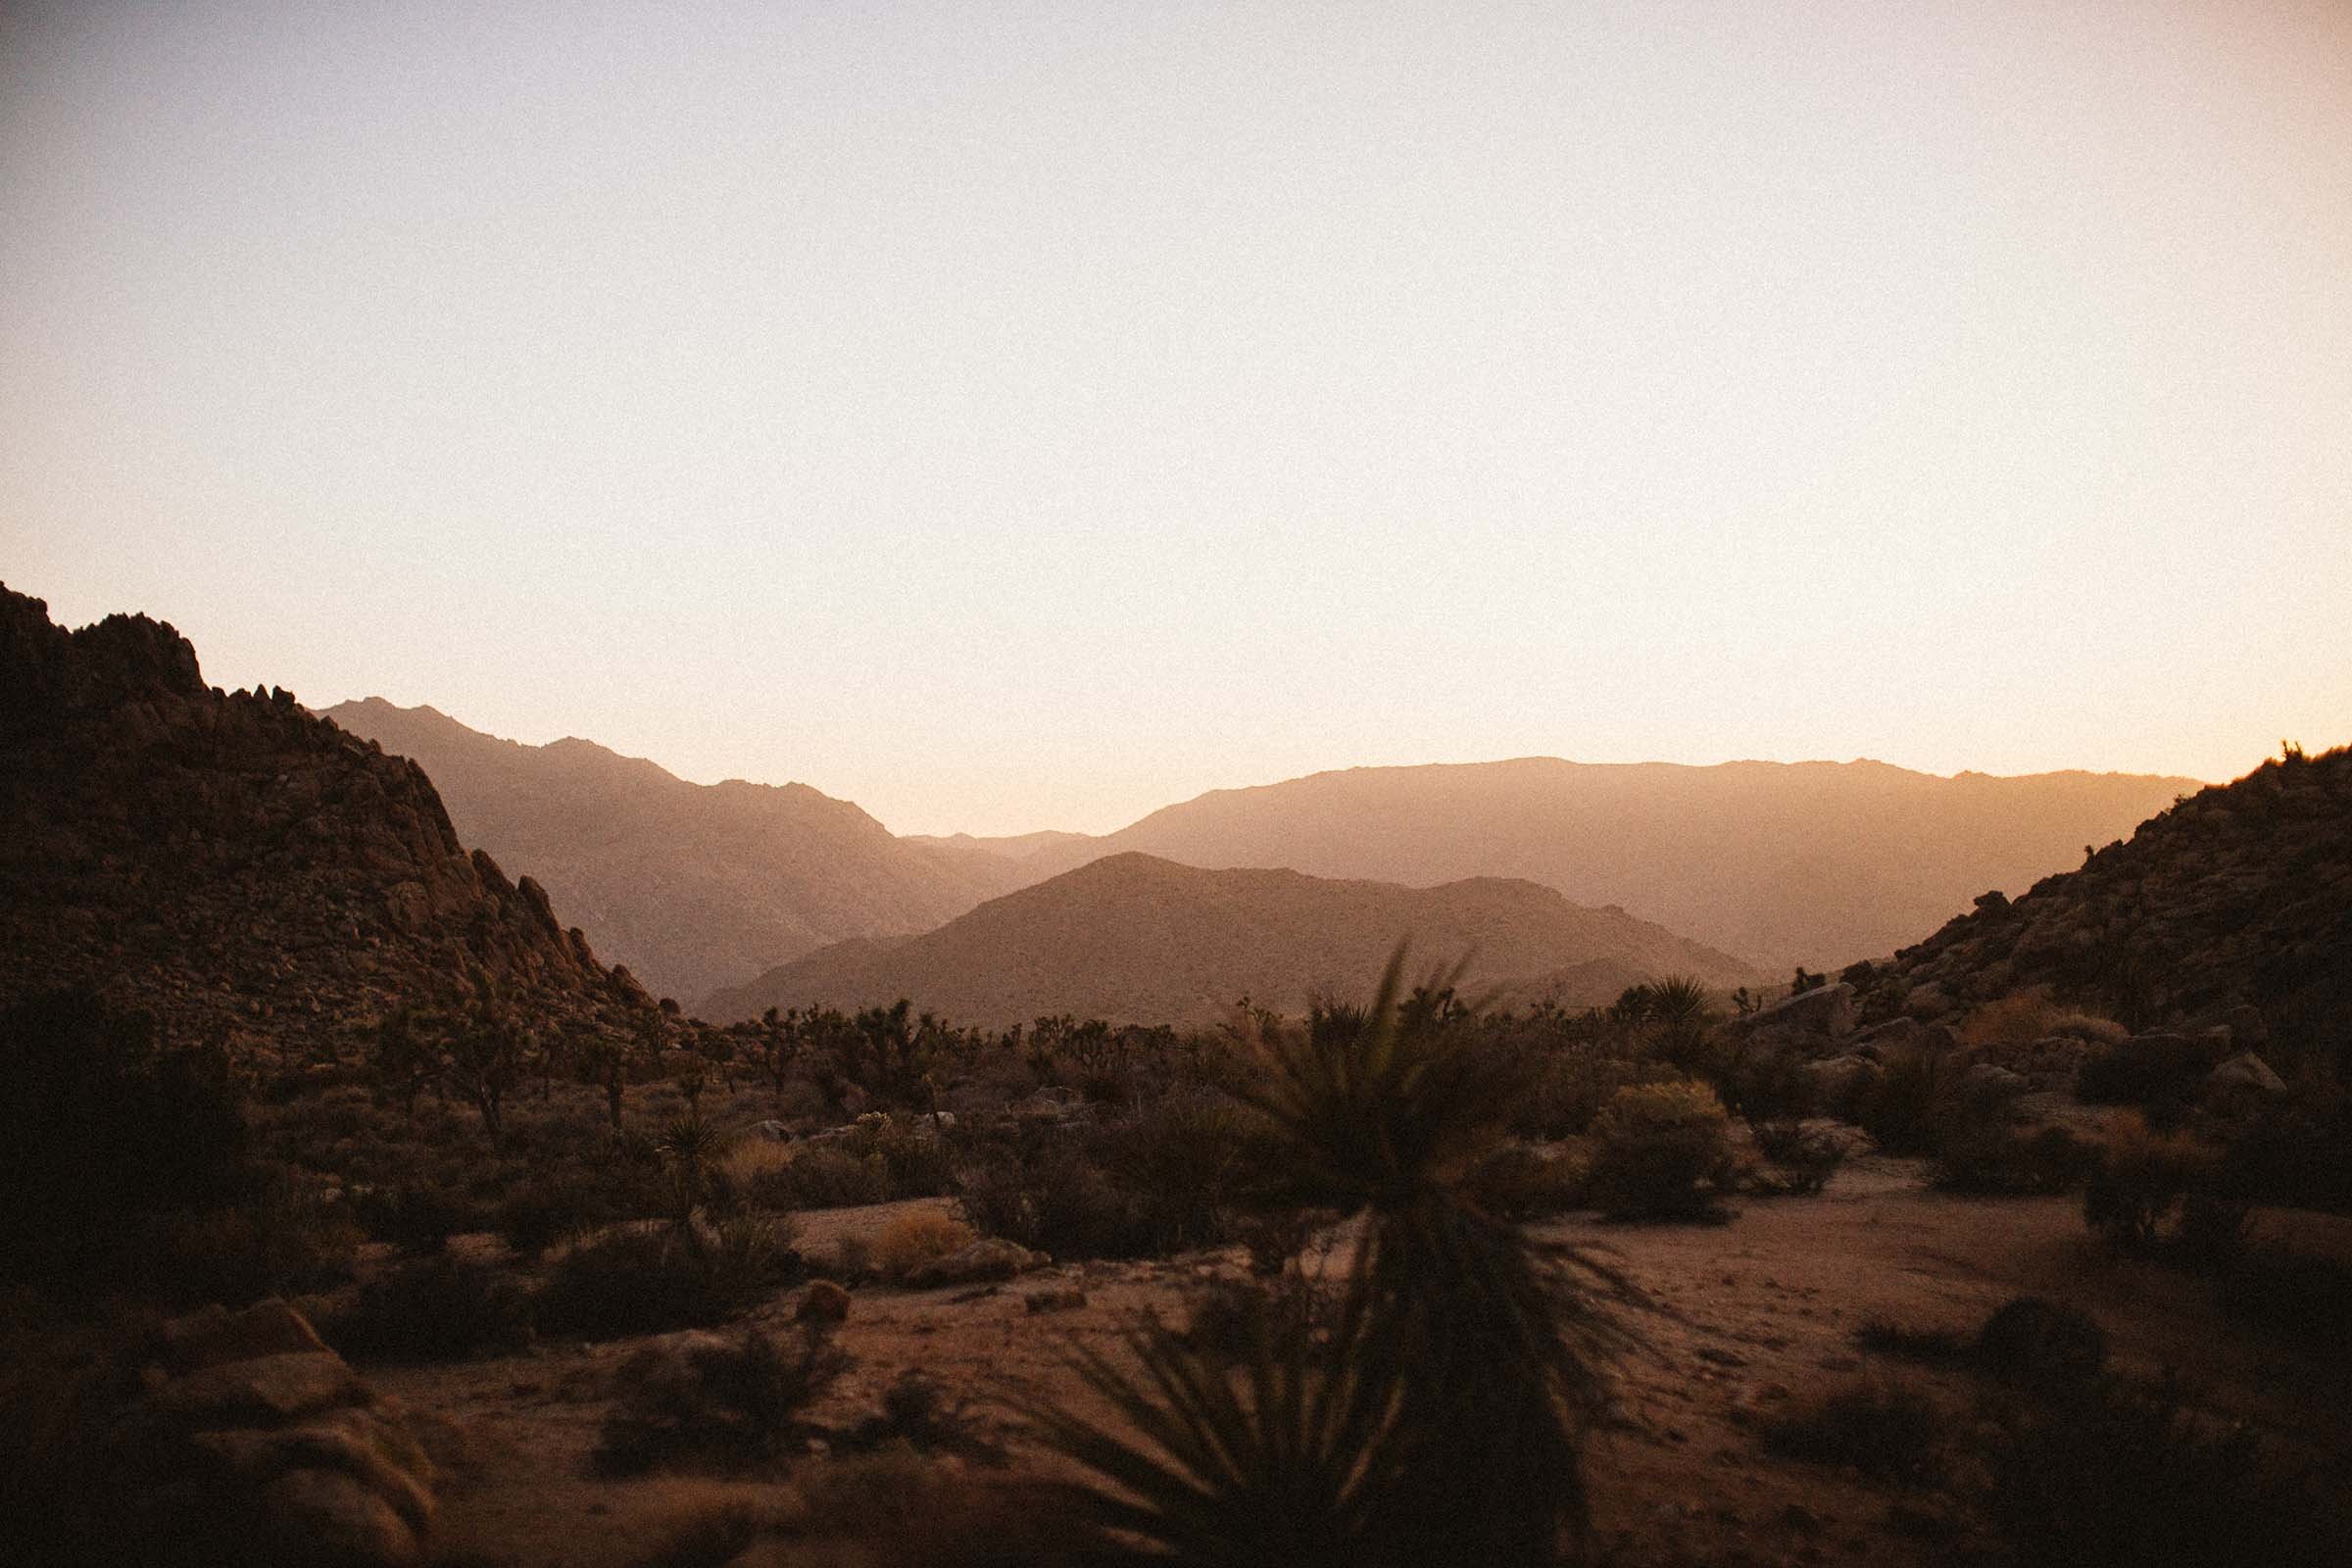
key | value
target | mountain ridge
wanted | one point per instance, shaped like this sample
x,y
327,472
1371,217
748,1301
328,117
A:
x,y
695,886
1133,938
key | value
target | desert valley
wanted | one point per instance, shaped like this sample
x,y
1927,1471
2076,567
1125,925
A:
x,y
425,1231
1040,784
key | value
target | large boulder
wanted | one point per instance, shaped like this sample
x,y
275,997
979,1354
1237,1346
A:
x,y
1825,1012
256,1443
2245,1074
1837,1082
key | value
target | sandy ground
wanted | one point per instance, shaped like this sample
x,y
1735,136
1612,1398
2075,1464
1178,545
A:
x,y
1743,1319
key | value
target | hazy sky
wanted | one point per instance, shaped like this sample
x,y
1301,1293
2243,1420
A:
x,y
1011,416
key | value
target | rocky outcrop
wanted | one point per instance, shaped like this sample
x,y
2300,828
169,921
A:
x,y
2234,907
255,1443
232,863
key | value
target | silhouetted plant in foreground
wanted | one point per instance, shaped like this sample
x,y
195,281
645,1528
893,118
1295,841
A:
x,y
1441,1415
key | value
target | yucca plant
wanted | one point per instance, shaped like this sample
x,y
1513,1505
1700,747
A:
x,y
1443,1420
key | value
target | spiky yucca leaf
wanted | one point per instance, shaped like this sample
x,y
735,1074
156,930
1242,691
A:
x,y
1282,1456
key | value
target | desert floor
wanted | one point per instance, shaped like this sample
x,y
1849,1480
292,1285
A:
x,y
1741,1319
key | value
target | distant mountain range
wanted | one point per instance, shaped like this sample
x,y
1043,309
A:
x,y
693,886
1134,939
1783,864
699,887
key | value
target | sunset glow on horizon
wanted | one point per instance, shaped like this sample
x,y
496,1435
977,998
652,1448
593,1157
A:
x,y
1026,417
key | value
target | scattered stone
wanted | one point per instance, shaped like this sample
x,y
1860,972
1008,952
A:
x,y
824,1302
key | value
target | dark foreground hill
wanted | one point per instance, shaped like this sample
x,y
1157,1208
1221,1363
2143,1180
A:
x,y
2239,895
693,886
1808,862
1134,939
234,865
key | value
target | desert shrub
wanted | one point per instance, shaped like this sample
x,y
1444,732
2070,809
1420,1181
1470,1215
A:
x,y
283,1240
2152,1070
646,1279
102,1126
2039,1344
1760,1080
1930,1346
2017,1019
913,1239
1574,1079
2297,1294
433,1310
1166,1180
1527,1181
918,1160
547,1208
1888,1430
1804,1159
1997,1158
2106,1471
1054,1198
1661,1151
918,1414
1901,1106
713,1402
2135,1198
416,1217
825,1176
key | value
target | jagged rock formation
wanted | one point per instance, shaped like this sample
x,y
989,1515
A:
x,y
694,886
234,865
1818,863
2239,895
1134,939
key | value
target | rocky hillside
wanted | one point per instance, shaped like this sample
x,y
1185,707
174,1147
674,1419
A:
x,y
233,864
693,886
1134,939
2240,893
1817,864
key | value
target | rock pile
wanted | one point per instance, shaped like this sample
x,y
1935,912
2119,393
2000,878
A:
x,y
256,1443
235,865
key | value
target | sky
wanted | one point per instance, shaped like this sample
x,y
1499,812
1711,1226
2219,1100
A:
x,y
1014,416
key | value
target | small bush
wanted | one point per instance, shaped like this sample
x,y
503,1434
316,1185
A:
x,y
649,1279
1901,1107
914,1238
2006,1160
285,1241
1525,1182
2108,1472
2153,1070
1927,1346
1802,1159
433,1310
1889,1432
713,1403
825,1176
2039,1344
1663,1150
2135,1198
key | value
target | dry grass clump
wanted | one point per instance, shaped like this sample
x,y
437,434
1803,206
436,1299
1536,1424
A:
x,y
1888,1431
914,1238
